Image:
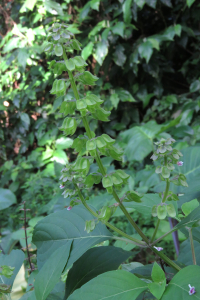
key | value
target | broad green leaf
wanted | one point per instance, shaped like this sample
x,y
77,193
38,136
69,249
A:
x,y
190,2
188,207
61,228
7,198
28,4
94,262
118,56
158,274
114,100
63,143
139,140
14,259
127,11
118,28
113,285
87,50
51,271
151,3
146,50
185,254
178,286
22,57
177,29
95,4
58,50
157,289
140,3
60,156
167,3
53,7
161,212
101,51
191,220
195,86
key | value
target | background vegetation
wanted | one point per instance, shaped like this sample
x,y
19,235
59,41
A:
x,y
146,55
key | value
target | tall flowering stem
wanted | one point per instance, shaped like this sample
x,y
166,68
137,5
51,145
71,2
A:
x,y
75,176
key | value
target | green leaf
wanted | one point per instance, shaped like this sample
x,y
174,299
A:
x,y
188,207
87,78
167,3
87,50
118,28
140,3
165,172
22,56
63,143
171,210
70,64
118,56
51,271
14,259
58,50
146,50
139,140
94,262
7,198
158,274
118,285
67,225
177,29
28,4
161,212
185,254
95,4
178,286
157,289
191,220
190,2
127,15
101,51
195,86
151,3
53,7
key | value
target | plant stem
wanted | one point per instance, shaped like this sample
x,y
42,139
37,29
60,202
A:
x,y
101,167
26,239
98,160
166,190
155,230
192,246
163,200
136,241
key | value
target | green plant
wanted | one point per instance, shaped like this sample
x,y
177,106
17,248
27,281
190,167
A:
x,y
63,237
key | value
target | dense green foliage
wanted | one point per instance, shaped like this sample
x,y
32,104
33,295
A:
x,y
146,55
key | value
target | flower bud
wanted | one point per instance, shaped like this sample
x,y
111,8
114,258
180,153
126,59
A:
x,y
69,208
180,163
192,290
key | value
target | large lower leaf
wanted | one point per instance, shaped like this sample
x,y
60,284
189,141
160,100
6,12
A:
x,y
113,285
178,287
7,198
138,141
51,271
61,228
185,254
14,259
94,262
